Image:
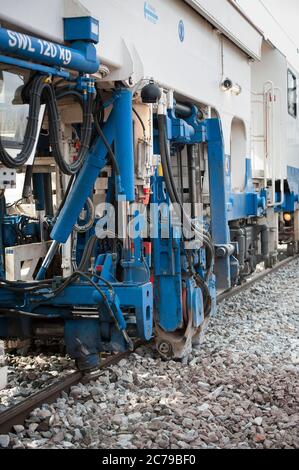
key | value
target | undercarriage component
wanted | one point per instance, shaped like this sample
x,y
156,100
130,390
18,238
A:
x,y
252,246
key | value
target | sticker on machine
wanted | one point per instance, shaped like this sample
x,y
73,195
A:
x,y
182,31
150,13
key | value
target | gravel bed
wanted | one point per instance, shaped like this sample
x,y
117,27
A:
x,y
30,374
240,390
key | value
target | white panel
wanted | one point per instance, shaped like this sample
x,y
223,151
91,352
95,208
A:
x,y
21,260
40,18
274,66
37,17
133,43
273,29
224,16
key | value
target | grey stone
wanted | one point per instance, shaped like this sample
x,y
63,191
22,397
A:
x,y
4,441
258,421
33,427
19,428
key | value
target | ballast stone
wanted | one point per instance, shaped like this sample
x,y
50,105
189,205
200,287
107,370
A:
x,y
3,368
4,441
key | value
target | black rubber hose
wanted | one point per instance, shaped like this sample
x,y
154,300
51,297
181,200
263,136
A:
x,y
19,313
39,90
54,131
27,188
192,178
48,194
140,120
89,248
35,90
166,164
101,134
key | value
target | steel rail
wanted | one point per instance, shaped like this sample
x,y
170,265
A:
x,y
18,413
256,278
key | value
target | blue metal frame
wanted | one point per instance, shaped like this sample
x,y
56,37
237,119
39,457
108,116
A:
x,y
85,337
290,204
114,306
167,262
117,129
226,205
291,199
82,57
118,305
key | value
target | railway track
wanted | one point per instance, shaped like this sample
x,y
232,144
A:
x,y
256,278
18,413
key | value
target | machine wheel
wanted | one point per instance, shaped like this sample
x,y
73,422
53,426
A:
x,y
165,350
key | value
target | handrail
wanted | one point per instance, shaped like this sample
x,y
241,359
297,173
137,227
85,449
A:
x,y
270,147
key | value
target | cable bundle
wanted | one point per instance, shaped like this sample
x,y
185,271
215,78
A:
x,y
40,91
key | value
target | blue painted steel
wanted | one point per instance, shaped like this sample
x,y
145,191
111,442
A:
x,y
195,303
226,205
248,203
136,299
179,131
82,57
124,149
245,205
291,200
290,204
185,131
83,28
95,162
219,198
36,67
167,262
140,298
15,227
293,179
239,205
105,267
119,129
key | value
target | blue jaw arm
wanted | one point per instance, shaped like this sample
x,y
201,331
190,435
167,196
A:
x,y
95,162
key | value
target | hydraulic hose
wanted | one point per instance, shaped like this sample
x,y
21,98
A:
x,y
36,91
39,91
89,224
89,248
54,132
98,124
